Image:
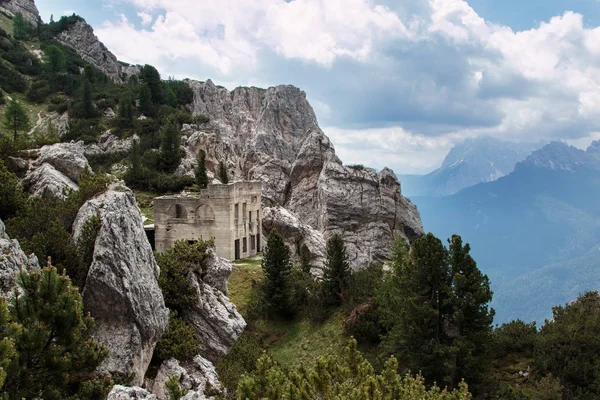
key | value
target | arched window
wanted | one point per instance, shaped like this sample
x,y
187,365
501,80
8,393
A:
x,y
180,211
205,213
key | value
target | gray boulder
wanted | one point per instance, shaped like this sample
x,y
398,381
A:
x,y
214,317
48,181
119,392
296,235
121,289
198,376
12,261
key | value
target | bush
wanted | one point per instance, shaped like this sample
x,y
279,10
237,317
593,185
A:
x,y
175,265
10,80
514,337
240,361
180,341
364,324
167,183
12,198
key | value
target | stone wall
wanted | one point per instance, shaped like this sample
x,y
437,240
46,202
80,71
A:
x,y
212,214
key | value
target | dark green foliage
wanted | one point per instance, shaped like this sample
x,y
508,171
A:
x,y
240,360
125,114
201,177
56,356
223,176
175,265
150,76
434,308
336,272
183,92
146,106
174,391
170,154
171,98
347,377
49,31
201,119
305,259
135,173
514,337
363,324
15,118
568,347
277,269
2,99
12,198
55,60
10,80
181,341
85,249
85,107
21,29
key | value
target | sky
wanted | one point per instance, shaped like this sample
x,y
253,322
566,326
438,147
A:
x,y
393,82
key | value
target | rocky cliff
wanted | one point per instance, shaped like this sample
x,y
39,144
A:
x,y
81,38
26,7
272,135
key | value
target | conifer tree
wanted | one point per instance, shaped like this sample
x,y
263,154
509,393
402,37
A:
x,y
56,356
170,154
472,317
336,271
15,118
86,105
55,60
145,99
223,177
201,177
305,259
125,113
151,77
171,98
277,269
20,27
135,174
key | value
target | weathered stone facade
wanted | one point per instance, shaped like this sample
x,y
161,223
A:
x,y
231,214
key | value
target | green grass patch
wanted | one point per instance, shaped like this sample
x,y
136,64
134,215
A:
x,y
145,201
244,274
6,24
292,343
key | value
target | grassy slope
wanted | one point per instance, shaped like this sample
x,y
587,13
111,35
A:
x,y
289,342
6,24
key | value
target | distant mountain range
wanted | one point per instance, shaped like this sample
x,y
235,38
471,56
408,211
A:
x,y
474,161
535,232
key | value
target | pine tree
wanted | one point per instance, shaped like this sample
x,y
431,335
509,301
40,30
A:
x,y
56,356
15,118
20,27
171,98
135,174
125,113
472,316
55,60
170,154
201,177
150,76
223,177
86,108
336,271
277,269
305,259
145,98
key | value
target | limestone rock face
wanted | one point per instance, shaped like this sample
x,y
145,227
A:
x,y
198,376
57,168
272,135
26,7
214,317
110,143
119,392
121,290
296,234
12,259
81,38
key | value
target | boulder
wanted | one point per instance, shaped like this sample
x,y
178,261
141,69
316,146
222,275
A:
x,y
121,289
111,143
119,392
57,169
68,158
214,317
197,376
296,235
12,260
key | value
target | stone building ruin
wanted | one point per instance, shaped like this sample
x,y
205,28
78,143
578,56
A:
x,y
231,214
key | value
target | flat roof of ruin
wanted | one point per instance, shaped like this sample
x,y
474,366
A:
x,y
185,194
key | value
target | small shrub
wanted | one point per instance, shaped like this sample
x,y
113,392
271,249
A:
x,y
363,324
180,341
514,337
174,391
240,360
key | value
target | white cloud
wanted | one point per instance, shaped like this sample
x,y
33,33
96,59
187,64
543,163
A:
x,y
434,67
145,17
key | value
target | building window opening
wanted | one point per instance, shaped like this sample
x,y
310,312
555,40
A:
x,y
192,241
252,243
244,245
180,211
